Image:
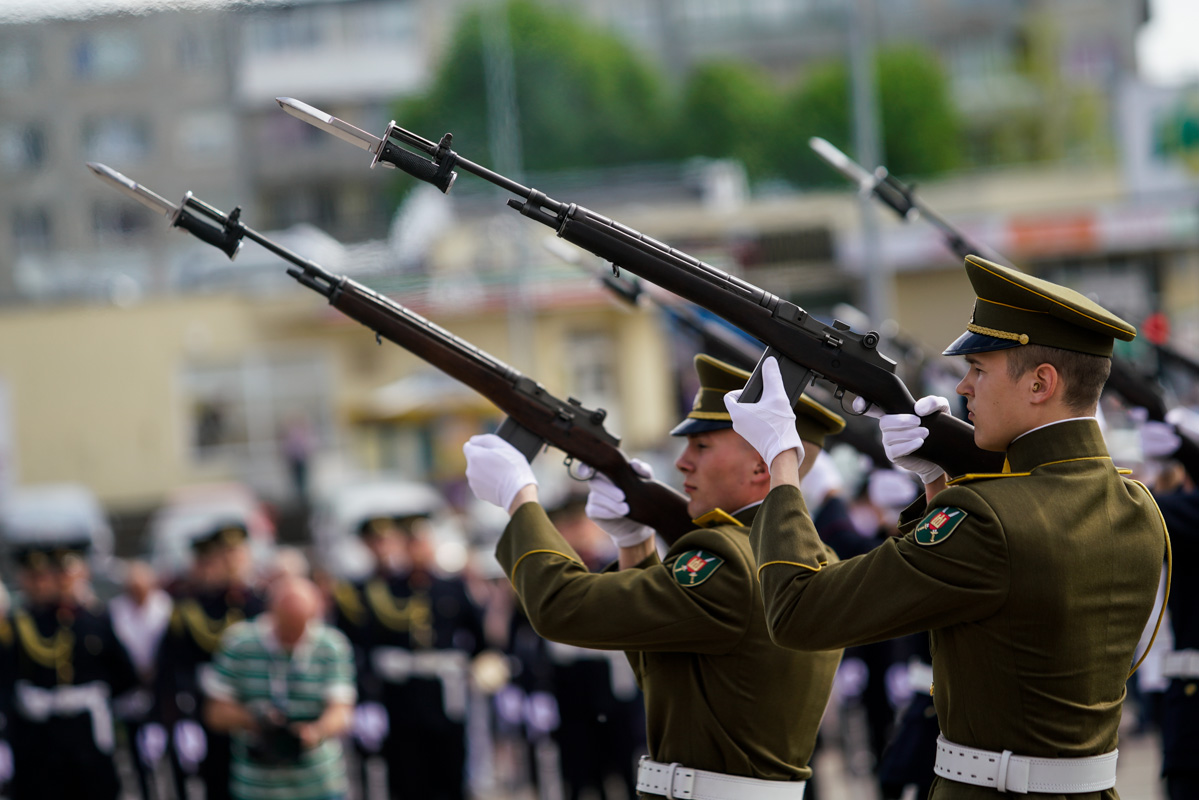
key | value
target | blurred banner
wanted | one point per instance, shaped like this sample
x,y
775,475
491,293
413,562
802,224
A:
x,y
1159,135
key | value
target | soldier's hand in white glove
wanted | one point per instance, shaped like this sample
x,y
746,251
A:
x,y
496,470
606,506
903,434
769,424
1159,439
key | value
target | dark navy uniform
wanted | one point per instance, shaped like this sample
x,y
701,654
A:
x,y
1180,706
414,635
63,666
199,618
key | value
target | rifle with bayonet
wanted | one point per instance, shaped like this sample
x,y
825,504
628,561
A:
x,y
535,417
805,347
1124,379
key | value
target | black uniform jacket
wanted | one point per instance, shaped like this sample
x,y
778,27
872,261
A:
x,y
719,695
1035,585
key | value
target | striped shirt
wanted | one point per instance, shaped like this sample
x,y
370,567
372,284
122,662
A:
x,y
252,670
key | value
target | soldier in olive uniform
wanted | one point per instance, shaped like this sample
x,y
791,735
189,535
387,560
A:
x,y
414,632
62,666
214,596
728,713
1035,583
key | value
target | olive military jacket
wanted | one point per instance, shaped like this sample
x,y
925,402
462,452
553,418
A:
x,y
719,695
1035,586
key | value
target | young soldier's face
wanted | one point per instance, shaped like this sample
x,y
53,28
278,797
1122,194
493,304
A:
x,y
719,472
997,402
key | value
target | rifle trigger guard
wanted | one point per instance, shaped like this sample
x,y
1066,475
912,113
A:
x,y
569,462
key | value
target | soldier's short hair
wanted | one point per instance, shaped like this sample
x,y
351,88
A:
x,y
1083,374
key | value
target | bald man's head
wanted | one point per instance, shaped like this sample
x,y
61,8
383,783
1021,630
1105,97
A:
x,y
293,603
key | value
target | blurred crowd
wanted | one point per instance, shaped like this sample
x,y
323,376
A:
x,y
414,674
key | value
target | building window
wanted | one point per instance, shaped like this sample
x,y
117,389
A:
x,y
117,222
197,49
31,230
591,375
116,139
205,136
105,55
241,411
22,147
18,63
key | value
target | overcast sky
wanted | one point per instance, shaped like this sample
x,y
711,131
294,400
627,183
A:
x,y
1166,49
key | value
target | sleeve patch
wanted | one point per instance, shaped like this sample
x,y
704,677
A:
x,y
938,524
694,567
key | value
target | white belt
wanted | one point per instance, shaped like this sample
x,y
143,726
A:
x,y
675,780
38,704
1181,664
450,667
1005,772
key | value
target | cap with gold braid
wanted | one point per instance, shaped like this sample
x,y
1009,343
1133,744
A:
x,y
1015,309
708,412
228,532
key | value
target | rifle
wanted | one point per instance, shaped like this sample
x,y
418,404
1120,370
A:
x,y
535,417
806,348
1124,379
900,198
719,341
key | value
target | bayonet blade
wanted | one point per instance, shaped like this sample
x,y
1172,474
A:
x,y
330,124
134,189
843,163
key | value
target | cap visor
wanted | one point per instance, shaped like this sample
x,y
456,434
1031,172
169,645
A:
x,y
690,426
977,343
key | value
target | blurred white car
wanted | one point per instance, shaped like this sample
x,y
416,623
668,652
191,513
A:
x,y
56,512
193,510
340,511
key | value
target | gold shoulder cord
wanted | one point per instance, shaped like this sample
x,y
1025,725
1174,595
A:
x,y
204,629
1169,575
54,653
412,615
348,602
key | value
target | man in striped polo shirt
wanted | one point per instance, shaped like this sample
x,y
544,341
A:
x,y
283,686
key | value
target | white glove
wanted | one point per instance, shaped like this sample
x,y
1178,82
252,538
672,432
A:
x,y
1159,439
903,434
607,508
769,424
496,470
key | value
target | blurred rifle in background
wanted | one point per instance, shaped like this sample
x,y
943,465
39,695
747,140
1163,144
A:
x,y
806,348
535,417
720,340
1126,380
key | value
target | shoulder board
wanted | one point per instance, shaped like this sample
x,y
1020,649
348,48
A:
x,y
694,567
985,476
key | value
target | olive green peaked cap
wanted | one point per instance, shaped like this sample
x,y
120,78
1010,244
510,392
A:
x,y
1014,309
708,413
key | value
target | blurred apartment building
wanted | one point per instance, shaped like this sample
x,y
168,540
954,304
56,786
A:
x,y
151,362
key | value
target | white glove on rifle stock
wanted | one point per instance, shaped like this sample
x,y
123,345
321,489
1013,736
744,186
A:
x,y
607,508
903,434
769,424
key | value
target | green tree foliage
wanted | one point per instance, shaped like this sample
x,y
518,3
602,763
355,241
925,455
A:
x,y
728,110
583,96
919,126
